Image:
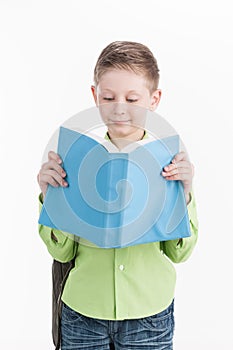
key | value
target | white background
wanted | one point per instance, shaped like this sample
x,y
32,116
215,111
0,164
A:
x,y
48,52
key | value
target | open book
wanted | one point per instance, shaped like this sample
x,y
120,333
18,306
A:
x,y
116,198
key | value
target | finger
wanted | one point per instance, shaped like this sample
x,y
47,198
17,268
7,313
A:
x,y
51,176
54,156
177,171
181,177
48,180
180,156
180,164
52,164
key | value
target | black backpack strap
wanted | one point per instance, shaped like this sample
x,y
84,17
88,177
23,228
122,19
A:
x,y
60,272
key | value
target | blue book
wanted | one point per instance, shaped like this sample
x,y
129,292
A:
x,y
116,199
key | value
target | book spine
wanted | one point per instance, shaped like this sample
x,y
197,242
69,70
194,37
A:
x,y
115,195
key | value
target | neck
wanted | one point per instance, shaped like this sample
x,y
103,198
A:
x,y
121,142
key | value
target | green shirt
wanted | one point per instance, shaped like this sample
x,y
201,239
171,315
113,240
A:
x,y
120,283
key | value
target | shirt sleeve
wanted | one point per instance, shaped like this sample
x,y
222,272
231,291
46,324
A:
x,y
179,250
61,245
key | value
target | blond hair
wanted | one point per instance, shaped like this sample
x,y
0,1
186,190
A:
x,y
131,56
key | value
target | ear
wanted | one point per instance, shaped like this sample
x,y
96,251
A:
x,y
93,90
154,99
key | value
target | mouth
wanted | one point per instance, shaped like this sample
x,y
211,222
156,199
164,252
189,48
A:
x,y
120,122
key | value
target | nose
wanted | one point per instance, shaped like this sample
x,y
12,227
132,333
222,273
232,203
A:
x,y
119,108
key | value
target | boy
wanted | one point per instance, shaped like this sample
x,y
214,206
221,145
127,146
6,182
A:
x,y
123,296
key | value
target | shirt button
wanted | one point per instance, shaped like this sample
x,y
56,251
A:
x,y
121,267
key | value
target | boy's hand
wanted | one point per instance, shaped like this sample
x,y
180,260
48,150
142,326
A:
x,y
51,173
180,169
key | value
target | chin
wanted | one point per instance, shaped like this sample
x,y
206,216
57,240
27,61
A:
x,y
121,131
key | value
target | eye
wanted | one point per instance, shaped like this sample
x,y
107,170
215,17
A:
x,y
130,100
108,99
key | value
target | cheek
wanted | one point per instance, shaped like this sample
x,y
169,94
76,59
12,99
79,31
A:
x,y
144,103
147,102
138,115
106,110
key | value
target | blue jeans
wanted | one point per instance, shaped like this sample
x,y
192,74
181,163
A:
x,y
81,332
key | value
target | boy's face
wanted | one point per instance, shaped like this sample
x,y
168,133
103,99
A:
x,y
123,99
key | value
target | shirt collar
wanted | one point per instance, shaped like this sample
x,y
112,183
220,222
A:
x,y
144,137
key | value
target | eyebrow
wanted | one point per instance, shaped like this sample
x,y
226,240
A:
x,y
130,91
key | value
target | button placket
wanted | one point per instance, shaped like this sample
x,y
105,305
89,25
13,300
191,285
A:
x,y
121,256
